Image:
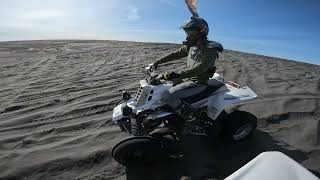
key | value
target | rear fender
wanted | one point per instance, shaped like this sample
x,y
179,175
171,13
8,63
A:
x,y
232,96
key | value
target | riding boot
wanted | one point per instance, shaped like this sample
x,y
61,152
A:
x,y
188,115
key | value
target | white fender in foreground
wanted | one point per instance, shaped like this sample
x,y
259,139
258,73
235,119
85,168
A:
x,y
272,166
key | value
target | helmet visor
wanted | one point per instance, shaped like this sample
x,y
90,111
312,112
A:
x,y
190,32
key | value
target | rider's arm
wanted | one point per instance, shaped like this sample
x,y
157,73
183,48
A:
x,y
180,53
204,62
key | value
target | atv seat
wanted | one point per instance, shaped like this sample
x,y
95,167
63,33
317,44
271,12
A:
x,y
213,85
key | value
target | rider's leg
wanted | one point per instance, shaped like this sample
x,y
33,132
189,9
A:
x,y
181,91
185,110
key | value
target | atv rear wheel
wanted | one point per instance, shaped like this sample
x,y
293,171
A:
x,y
137,151
239,126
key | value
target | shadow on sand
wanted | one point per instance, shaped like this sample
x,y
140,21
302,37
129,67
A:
x,y
204,159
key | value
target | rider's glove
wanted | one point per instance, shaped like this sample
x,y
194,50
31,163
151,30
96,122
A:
x,y
170,75
151,67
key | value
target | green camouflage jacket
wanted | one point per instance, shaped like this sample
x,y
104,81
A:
x,y
200,62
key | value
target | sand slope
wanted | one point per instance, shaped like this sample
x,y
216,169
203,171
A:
x,y
56,100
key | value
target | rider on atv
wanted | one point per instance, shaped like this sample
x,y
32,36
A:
x,y
202,55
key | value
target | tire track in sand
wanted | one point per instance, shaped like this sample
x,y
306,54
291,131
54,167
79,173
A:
x,y
22,86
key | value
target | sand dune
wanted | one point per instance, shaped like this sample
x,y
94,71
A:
x,y
56,100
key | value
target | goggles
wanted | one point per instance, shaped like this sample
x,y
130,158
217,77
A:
x,y
192,32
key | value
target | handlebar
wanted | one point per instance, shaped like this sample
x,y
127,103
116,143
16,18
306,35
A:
x,y
153,78
149,69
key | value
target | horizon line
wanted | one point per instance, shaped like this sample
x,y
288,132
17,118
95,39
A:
x,y
142,41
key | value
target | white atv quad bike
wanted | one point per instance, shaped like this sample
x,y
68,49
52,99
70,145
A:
x,y
153,127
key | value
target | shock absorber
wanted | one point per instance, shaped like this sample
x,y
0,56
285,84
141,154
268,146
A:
x,y
134,127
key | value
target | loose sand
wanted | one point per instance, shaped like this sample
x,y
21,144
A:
x,y
56,101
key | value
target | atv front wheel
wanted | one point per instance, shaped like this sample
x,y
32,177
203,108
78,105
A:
x,y
239,126
138,151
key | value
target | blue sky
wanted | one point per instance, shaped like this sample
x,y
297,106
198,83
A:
x,y
282,28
